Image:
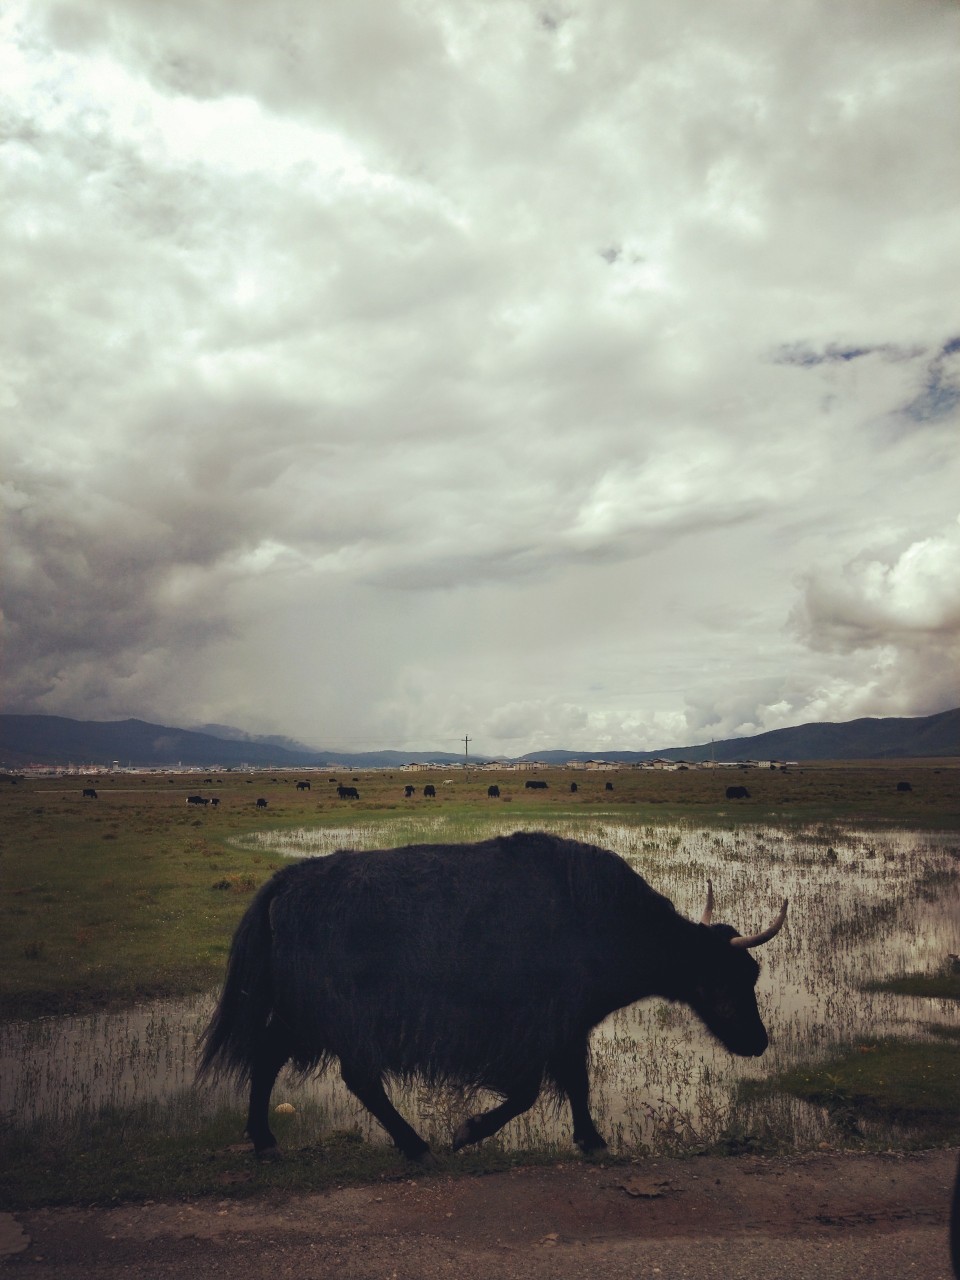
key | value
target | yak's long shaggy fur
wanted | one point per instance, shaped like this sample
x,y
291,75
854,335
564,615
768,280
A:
x,y
464,964
479,965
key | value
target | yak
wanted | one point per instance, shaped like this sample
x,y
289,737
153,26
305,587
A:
x,y
483,965
348,793
429,790
89,793
493,792
738,793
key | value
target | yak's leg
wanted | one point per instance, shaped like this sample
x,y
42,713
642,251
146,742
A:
x,y
272,1052
476,1128
569,1069
369,1089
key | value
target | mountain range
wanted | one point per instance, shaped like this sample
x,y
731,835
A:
x,y
58,740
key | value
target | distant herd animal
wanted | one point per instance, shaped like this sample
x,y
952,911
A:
x,y
423,962
733,792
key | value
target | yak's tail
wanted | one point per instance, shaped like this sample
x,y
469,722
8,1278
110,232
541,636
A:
x,y
229,1043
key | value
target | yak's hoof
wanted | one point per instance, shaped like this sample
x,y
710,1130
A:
x,y
592,1146
268,1153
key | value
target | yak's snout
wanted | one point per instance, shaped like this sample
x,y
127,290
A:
x,y
752,1045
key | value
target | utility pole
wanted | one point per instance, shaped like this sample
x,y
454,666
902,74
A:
x,y
466,755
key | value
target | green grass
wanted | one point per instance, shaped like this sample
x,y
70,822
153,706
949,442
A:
x,y
914,1086
941,986
170,1149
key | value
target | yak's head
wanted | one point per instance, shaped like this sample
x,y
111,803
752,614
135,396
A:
x,y
723,980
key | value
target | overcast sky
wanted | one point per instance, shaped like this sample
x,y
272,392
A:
x,y
565,374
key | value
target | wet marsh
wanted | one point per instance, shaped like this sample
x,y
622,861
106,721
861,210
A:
x,y
866,906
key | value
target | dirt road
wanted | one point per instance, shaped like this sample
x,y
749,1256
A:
x,y
829,1216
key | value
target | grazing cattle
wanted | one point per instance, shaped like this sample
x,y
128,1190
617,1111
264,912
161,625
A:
x,y
493,793
534,784
484,964
303,786
573,787
738,793
214,801
904,786
429,789
409,789
609,786
261,803
197,800
88,794
348,793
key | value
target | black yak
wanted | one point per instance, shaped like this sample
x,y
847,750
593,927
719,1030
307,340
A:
x,y
348,793
493,792
89,793
409,789
303,786
429,789
481,965
738,793
534,784
261,803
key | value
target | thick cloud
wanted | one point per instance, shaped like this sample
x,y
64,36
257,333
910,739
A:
x,y
555,377
899,611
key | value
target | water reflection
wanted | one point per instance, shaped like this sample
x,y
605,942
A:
x,y
864,906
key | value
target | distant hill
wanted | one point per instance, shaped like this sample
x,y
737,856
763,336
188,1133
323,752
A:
x,y
57,740
867,739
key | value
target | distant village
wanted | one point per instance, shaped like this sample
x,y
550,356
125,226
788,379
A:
x,y
479,766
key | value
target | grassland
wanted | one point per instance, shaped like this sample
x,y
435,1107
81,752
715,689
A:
x,y
136,894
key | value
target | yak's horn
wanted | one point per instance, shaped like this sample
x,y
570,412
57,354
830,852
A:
x,y
708,909
759,938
